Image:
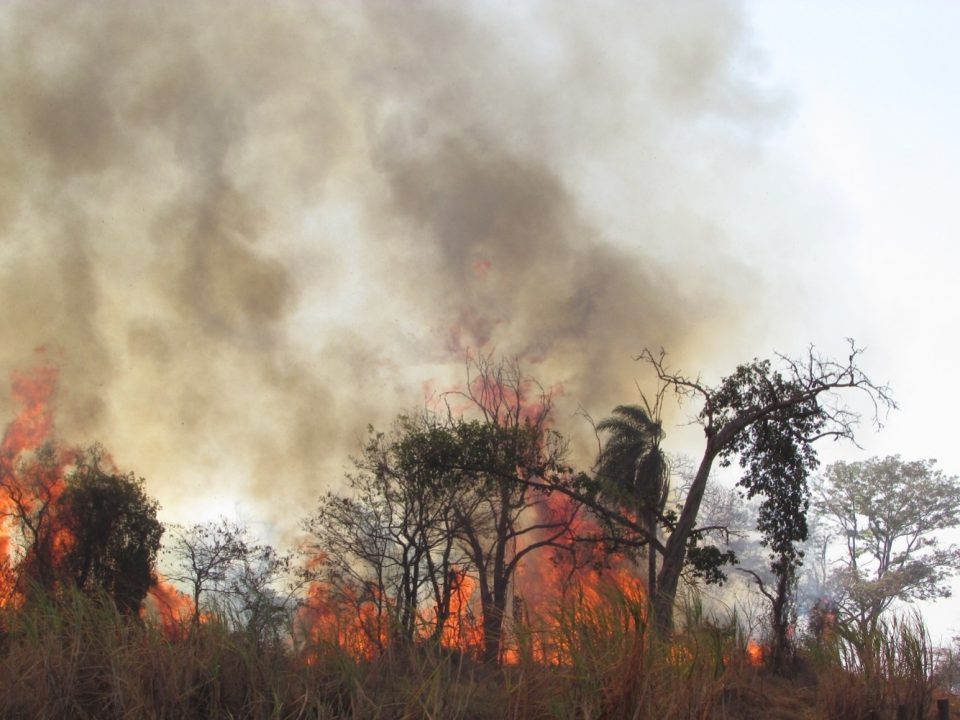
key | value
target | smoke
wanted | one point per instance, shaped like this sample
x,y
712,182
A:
x,y
244,231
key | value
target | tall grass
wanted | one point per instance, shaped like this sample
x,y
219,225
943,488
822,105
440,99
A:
x,y
605,660
872,671
79,658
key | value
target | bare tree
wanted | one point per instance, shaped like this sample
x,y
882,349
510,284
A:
x,y
262,591
205,556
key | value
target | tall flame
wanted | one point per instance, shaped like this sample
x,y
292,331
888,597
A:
x,y
33,391
22,477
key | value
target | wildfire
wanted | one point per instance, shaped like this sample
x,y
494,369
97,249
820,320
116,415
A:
x,y
29,476
33,474
340,620
574,581
563,585
462,631
548,591
171,607
557,578
33,391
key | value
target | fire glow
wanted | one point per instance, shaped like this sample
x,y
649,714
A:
x,y
548,592
33,474
554,589
24,481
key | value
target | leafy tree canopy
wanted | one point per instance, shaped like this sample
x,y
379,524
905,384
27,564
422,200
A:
x,y
115,532
888,512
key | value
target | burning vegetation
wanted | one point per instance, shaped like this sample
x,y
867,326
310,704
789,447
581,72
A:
x,y
70,520
464,538
204,203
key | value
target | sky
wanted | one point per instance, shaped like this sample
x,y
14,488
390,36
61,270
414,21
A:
x,y
874,124
244,232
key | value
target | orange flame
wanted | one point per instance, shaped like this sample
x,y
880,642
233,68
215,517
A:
x,y
173,609
29,481
341,620
540,585
543,588
462,630
33,391
26,482
574,580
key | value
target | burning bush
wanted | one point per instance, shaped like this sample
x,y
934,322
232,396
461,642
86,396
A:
x,y
79,523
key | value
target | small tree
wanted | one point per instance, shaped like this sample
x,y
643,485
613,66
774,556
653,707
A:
x,y
114,532
390,543
262,593
80,523
888,512
777,457
207,555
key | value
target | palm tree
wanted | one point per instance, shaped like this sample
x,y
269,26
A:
x,y
634,471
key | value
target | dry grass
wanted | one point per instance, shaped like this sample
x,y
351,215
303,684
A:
x,y
79,659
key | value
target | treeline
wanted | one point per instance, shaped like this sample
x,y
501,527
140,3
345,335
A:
x,y
465,531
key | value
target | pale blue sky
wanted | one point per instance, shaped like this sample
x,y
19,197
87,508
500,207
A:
x,y
874,120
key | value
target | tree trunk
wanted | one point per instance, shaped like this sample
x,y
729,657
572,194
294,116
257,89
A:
x,y
675,550
494,612
651,524
780,621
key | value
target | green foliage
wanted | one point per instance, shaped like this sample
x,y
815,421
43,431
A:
x,y
889,512
706,562
115,534
631,466
775,451
390,544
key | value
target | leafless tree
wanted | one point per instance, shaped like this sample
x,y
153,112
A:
x,y
205,557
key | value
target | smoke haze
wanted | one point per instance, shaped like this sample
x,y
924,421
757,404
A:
x,y
245,231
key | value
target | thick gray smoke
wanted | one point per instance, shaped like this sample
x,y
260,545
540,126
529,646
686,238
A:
x,y
246,230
